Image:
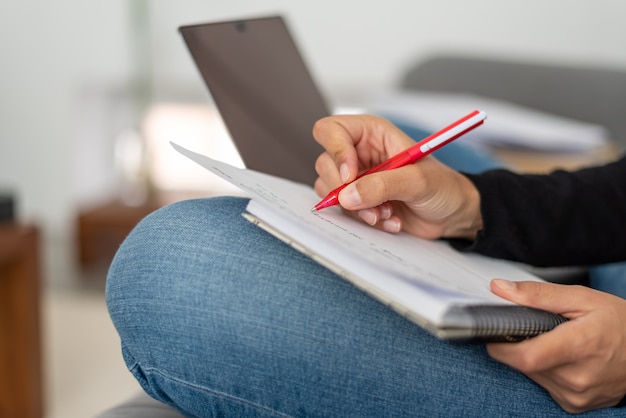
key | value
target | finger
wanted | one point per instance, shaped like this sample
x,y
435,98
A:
x,y
550,349
328,171
320,187
565,380
392,225
386,211
381,217
338,136
569,342
543,352
376,139
567,300
376,214
372,190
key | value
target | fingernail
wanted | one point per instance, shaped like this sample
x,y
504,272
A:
x,y
505,284
344,172
391,225
385,212
369,216
349,196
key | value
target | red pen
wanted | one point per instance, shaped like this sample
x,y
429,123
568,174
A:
x,y
414,153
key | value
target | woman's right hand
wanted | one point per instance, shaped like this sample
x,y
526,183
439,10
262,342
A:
x,y
426,199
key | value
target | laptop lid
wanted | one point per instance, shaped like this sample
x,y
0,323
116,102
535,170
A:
x,y
263,91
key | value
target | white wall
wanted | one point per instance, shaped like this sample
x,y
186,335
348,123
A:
x,y
368,43
49,50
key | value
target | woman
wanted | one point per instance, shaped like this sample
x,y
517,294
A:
x,y
218,318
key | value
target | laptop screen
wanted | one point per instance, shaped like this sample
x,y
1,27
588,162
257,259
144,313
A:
x,y
263,91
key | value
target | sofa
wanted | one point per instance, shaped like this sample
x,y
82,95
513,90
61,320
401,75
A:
x,y
590,94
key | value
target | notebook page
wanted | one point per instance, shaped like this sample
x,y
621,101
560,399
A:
x,y
425,275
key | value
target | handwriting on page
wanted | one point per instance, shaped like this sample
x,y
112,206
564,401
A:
x,y
409,257
267,195
286,206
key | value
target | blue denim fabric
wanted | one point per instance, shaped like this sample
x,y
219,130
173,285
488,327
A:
x,y
610,278
218,318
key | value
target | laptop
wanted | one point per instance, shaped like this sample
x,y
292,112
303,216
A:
x,y
263,91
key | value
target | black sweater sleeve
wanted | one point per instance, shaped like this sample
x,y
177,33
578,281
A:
x,y
558,219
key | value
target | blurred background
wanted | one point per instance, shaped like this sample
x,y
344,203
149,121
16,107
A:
x,y
83,80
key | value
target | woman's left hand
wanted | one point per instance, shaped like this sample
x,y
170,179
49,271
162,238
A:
x,y
581,363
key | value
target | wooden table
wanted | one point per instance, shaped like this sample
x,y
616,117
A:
x,y
527,161
21,392
102,228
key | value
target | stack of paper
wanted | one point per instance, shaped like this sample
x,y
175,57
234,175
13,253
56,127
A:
x,y
509,125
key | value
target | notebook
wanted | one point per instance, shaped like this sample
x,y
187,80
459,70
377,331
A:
x,y
264,92
444,291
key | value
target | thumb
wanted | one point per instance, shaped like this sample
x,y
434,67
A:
x,y
376,188
558,298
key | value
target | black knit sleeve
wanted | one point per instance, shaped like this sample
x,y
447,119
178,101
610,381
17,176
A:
x,y
558,219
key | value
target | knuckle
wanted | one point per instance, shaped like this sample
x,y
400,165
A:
x,y
320,163
373,188
320,126
532,293
581,382
576,403
528,362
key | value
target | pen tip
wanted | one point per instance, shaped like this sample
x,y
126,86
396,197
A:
x,y
313,209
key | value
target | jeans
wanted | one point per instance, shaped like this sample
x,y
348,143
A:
x,y
218,318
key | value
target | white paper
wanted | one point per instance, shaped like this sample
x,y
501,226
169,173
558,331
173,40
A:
x,y
507,125
404,271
